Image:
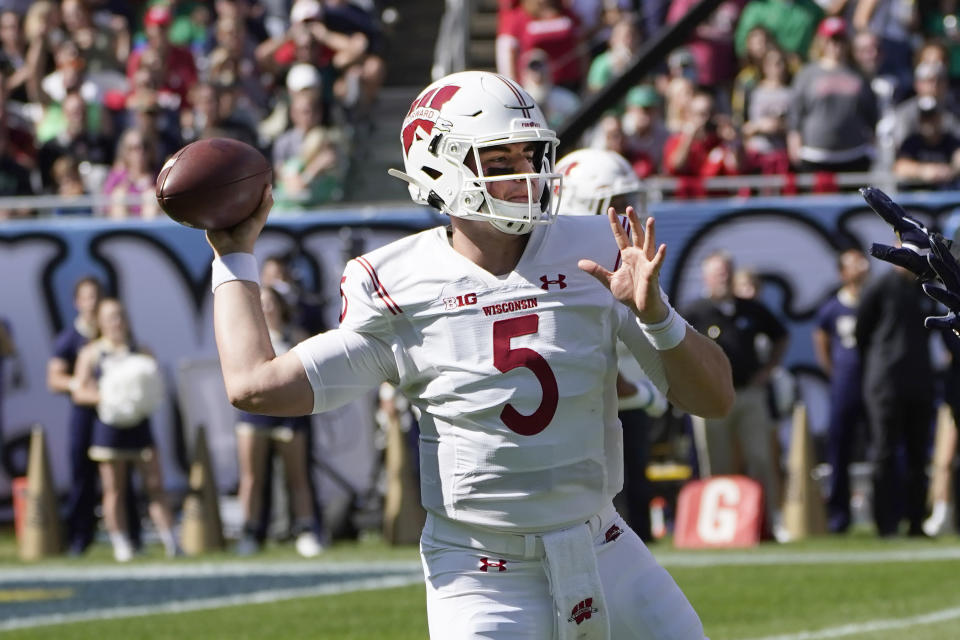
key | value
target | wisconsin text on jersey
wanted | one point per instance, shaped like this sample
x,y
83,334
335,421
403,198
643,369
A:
x,y
507,307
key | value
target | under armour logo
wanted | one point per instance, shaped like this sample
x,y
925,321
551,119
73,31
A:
x,y
582,611
486,563
546,282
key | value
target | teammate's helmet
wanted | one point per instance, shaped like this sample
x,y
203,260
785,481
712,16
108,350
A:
x,y
459,115
592,178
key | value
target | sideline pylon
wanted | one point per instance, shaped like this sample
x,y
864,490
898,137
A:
x,y
804,511
42,529
201,528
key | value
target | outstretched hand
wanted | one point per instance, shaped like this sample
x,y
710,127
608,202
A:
x,y
636,281
913,236
925,253
241,237
948,272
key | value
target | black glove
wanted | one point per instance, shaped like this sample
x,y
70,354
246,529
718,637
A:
x,y
914,237
945,265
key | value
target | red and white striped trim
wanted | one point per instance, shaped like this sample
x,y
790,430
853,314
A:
x,y
379,288
516,92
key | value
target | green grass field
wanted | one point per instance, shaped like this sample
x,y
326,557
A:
x,y
853,587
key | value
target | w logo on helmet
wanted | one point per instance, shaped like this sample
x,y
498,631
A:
x,y
425,111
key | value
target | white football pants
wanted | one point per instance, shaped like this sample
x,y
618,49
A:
x,y
473,595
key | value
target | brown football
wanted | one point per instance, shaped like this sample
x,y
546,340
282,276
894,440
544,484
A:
x,y
213,183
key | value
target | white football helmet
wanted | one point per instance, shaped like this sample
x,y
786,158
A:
x,y
592,178
459,115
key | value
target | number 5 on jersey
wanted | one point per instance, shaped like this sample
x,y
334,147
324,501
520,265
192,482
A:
x,y
506,359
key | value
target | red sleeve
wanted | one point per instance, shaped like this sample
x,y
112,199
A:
x,y
668,148
505,13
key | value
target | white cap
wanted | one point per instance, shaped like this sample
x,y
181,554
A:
x,y
306,10
302,76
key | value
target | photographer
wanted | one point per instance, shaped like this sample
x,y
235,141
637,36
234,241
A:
x,y
707,144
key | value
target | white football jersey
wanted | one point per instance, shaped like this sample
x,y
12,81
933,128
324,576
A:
x,y
514,376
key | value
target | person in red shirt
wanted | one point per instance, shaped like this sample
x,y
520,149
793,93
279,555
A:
x,y
706,146
547,25
180,71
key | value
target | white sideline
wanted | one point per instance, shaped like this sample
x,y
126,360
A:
x,y
873,625
181,606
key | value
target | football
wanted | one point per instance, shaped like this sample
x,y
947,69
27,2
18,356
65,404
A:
x,y
213,183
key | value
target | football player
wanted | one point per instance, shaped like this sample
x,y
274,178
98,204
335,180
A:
x,y
501,329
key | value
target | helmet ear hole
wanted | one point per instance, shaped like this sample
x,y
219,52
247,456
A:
x,y
430,171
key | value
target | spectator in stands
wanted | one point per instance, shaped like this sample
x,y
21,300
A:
x,y
791,23
942,28
254,433
21,146
312,177
232,64
765,131
309,41
678,92
177,63
608,134
758,41
597,18
557,103
115,446
41,28
834,114
868,59
362,78
898,387
76,139
14,180
707,144
547,25
645,132
305,114
835,346
711,44
103,46
929,81
13,55
206,117
132,178
742,442
621,50
69,184
159,126
893,22
930,155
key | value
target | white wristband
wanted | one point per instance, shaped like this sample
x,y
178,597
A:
x,y
234,266
667,333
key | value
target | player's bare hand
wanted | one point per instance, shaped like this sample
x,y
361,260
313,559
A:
x,y
241,237
636,282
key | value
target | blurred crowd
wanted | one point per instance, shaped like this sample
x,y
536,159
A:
x,y
97,94
761,87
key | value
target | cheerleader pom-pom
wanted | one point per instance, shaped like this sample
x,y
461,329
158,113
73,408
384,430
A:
x,y
131,388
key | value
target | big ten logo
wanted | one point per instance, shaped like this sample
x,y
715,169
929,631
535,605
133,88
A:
x,y
455,302
723,511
